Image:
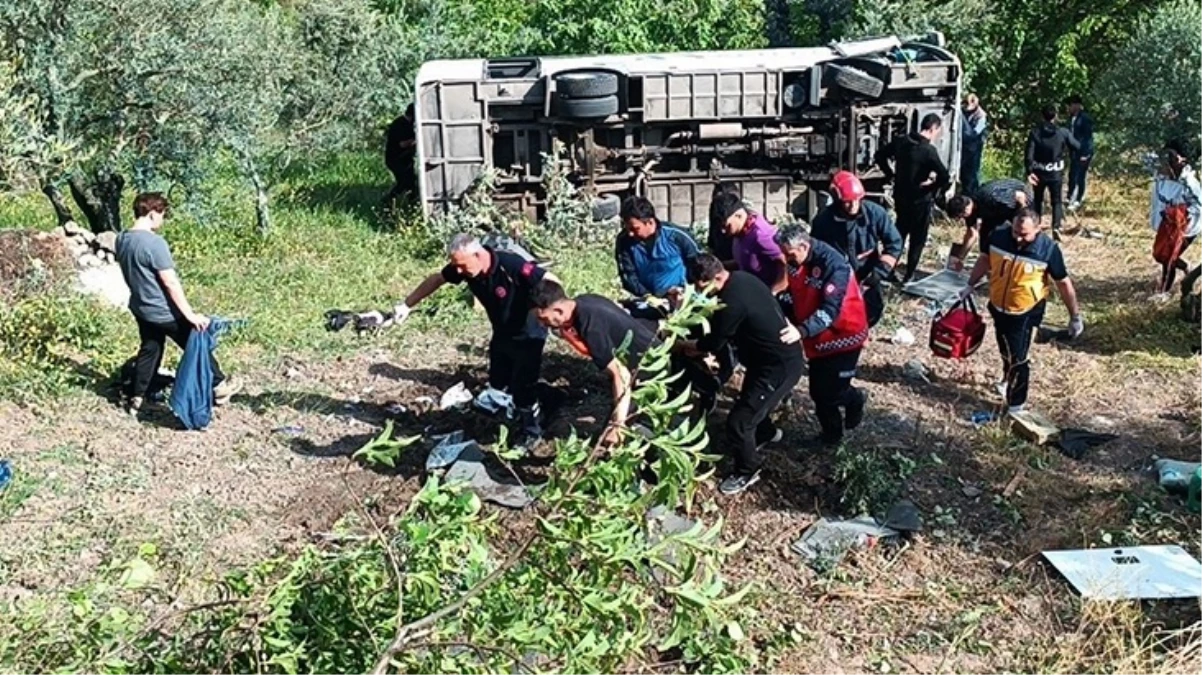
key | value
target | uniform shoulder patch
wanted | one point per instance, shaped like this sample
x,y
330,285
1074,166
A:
x,y
527,269
830,289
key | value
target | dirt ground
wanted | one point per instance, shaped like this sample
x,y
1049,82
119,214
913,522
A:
x,y
966,594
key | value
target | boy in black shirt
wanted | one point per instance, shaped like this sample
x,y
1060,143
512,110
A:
x,y
502,282
768,347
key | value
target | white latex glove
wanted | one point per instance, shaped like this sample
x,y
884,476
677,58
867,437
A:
x,y
1076,326
790,334
400,312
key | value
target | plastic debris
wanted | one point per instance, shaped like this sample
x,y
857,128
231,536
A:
x,y
289,430
394,408
903,516
825,543
915,370
1175,475
6,473
1074,442
902,336
971,491
455,396
449,449
470,469
1143,572
982,417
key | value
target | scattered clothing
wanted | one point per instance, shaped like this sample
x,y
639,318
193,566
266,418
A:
x,y
198,375
756,252
154,337
655,265
1075,442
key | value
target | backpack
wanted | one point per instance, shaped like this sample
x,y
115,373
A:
x,y
1171,234
959,332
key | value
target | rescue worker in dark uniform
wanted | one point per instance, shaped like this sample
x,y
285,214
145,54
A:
x,y
988,207
863,233
919,177
503,283
767,345
830,315
1047,147
400,152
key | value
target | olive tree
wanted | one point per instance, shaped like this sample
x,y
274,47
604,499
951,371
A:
x,y
1152,87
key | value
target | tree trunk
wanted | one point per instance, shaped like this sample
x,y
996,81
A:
x,y
55,195
262,205
99,197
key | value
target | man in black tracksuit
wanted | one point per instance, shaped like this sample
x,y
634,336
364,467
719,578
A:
x,y
1047,147
751,318
919,176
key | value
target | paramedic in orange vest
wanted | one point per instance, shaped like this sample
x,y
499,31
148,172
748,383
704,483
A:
x,y
830,314
1022,264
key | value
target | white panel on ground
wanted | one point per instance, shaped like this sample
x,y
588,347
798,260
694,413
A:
x,y
1140,572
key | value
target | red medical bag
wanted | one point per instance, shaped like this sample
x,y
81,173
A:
x,y
959,332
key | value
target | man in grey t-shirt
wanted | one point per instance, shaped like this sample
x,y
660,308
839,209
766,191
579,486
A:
x,y
157,300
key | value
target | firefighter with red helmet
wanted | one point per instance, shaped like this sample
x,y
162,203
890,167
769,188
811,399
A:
x,y
864,234
830,315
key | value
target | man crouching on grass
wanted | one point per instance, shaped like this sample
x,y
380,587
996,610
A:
x,y
157,300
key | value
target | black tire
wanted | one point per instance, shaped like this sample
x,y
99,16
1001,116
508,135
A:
x,y
587,108
856,81
606,207
586,84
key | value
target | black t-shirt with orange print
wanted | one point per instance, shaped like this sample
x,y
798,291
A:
x,y
599,327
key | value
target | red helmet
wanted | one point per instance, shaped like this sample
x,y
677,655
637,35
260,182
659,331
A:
x,y
846,187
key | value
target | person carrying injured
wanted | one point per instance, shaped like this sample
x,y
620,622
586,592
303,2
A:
x,y
751,318
1022,264
993,204
829,313
596,327
502,282
652,257
864,234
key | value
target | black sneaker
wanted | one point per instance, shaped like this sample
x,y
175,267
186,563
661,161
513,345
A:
x,y
855,412
734,484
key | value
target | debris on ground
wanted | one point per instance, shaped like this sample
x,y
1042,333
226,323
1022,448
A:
x,y
1075,442
289,430
1033,427
943,287
1175,475
903,516
469,468
902,336
982,417
449,449
1139,572
971,491
394,408
493,401
825,543
916,370
455,397
1012,486
6,473
663,523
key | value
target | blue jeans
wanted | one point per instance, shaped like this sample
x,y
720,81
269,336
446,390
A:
x,y
970,169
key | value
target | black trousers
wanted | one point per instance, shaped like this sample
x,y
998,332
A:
x,y
513,366
874,301
831,389
1051,184
150,354
405,175
1014,333
748,424
914,225
1076,179
1168,271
